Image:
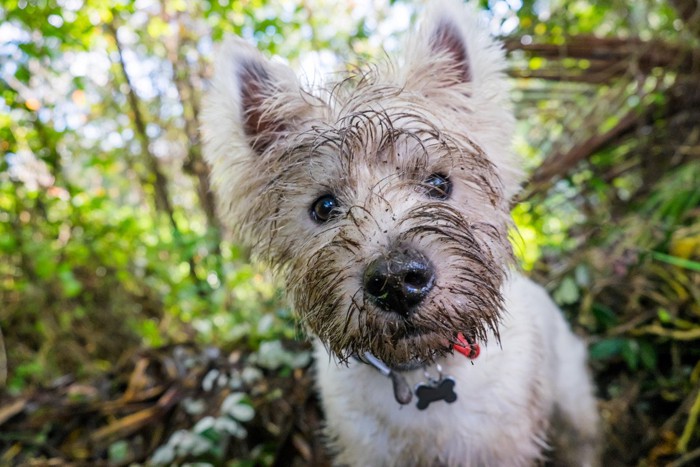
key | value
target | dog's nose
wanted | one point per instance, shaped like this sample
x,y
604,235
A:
x,y
399,281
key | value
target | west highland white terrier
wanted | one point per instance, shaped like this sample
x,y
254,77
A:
x,y
383,202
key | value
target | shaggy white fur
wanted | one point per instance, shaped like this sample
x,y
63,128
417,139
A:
x,y
383,202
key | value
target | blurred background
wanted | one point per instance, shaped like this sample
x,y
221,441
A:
x,y
135,332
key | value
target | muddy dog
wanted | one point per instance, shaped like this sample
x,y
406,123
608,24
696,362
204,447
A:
x,y
382,200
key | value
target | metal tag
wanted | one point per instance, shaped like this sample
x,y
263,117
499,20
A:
x,y
440,390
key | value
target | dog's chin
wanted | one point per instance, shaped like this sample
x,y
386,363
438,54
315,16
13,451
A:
x,y
410,365
412,352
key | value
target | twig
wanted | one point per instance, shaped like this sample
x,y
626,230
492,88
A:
x,y
655,329
689,425
159,179
646,54
3,361
559,164
685,459
194,163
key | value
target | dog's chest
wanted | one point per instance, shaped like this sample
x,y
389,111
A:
x,y
497,418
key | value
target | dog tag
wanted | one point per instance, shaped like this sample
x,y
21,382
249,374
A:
x,y
442,390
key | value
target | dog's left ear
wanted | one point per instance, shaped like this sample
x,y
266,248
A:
x,y
446,40
453,47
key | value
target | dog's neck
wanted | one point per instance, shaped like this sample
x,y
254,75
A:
x,y
440,388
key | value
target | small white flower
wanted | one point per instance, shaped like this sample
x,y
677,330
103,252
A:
x,y
204,424
164,455
234,407
209,379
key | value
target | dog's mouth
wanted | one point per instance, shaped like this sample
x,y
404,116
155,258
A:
x,y
466,346
412,346
409,331
411,365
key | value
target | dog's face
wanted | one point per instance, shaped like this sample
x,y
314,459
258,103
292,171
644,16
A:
x,y
384,201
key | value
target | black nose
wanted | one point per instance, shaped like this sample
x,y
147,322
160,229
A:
x,y
399,281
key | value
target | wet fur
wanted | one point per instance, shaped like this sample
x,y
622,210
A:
x,y
372,139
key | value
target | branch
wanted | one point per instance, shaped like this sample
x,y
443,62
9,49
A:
x,y
598,72
159,180
194,163
3,367
560,163
609,59
611,52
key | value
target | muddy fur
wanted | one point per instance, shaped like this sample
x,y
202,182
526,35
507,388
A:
x,y
372,143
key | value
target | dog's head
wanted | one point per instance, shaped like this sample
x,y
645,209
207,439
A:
x,y
383,201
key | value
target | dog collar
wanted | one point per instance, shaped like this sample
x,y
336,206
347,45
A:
x,y
434,389
467,347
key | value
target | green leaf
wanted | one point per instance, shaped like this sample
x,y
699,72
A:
x,y
605,316
647,355
567,292
71,286
630,353
118,451
607,348
676,261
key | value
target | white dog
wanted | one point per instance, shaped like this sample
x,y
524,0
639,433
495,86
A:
x,y
383,202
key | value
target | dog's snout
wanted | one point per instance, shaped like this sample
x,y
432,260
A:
x,y
399,281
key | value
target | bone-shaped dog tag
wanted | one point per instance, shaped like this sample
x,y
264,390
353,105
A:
x,y
442,390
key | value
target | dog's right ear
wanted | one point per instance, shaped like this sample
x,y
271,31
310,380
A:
x,y
257,86
252,104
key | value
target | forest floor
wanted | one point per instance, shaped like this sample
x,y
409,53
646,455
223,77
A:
x,y
123,417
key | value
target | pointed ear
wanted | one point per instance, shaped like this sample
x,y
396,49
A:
x,y
261,125
446,40
252,101
453,47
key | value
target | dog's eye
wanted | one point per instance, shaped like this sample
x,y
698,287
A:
x,y
438,186
324,208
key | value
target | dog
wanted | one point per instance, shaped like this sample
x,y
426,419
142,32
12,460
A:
x,y
383,202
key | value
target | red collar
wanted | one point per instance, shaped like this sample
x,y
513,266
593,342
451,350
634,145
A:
x,y
471,350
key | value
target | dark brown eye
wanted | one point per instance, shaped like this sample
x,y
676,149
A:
x,y
438,186
324,208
